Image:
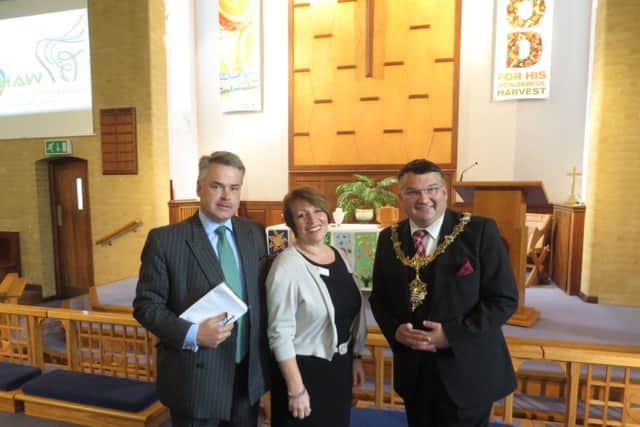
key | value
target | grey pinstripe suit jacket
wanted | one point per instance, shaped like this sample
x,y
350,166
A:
x,y
178,267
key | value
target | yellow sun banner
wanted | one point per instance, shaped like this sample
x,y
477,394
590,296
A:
x,y
239,55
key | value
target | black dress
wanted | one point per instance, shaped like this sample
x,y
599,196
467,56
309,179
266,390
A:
x,y
328,383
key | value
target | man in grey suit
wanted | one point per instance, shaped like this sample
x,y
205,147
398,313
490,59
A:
x,y
212,373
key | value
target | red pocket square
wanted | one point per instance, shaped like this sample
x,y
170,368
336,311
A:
x,y
465,269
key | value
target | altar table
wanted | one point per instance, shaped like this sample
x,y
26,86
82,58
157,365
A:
x,y
357,242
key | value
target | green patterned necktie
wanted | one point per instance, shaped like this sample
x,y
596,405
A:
x,y
232,278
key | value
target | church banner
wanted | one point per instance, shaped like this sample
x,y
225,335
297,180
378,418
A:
x,y
239,55
522,49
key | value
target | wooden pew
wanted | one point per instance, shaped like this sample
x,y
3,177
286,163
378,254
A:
x,y
12,287
96,305
108,344
379,365
20,344
601,379
6,283
601,388
583,376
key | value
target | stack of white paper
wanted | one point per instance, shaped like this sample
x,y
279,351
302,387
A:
x,y
220,299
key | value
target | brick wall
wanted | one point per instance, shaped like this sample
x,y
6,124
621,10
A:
x,y
611,262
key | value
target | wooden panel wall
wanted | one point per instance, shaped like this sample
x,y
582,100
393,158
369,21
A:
x,y
373,84
180,210
265,213
327,182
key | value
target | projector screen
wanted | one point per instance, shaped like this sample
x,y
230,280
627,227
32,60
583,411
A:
x,y
45,69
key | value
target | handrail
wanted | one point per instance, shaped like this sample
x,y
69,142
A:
x,y
119,232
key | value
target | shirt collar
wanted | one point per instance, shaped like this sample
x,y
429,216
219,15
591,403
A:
x,y
210,226
433,229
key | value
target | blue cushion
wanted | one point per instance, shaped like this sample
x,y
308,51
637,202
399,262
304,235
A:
x,y
13,375
92,389
371,417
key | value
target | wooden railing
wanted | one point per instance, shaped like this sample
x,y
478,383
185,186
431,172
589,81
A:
x,y
119,232
105,343
600,384
603,381
110,344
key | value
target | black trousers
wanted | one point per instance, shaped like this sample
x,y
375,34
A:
x,y
431,405
243,413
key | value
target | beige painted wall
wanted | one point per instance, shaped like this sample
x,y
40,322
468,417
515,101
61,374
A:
x,y
611,263
128,69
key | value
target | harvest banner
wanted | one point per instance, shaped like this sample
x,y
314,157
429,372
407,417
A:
x,y
523,49
239,55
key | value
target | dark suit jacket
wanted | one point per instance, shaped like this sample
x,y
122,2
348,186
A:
x,y
476,369
178,267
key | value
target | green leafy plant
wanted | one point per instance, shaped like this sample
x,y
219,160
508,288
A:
x,y
365,193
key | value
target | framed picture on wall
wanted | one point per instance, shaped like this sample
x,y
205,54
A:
x,y
239,55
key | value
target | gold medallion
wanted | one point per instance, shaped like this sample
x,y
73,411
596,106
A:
x,y
417,292
418,288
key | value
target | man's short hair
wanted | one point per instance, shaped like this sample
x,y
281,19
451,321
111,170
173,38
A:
x,y
420,167
311,195
226,158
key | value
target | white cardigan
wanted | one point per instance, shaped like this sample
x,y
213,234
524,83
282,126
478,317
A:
x,y
301,314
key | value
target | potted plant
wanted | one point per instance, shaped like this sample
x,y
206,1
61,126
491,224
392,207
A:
x,y
365,193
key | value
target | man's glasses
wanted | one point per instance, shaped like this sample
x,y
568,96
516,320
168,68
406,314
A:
x,y
414,193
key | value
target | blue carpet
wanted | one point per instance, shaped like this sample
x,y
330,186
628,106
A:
x,y
370,417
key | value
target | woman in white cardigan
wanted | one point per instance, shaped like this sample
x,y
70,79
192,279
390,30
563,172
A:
x,y
317,328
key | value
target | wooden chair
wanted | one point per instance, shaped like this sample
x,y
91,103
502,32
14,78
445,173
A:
x,y
538,230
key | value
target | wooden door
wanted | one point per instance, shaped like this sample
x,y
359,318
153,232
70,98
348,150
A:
x,y
71,226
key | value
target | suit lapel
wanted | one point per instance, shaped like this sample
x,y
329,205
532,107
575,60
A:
x,y
407,246
450,221
200,245
404,234
440,283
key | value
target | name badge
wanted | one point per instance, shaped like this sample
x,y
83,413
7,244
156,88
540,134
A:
x,y
323,271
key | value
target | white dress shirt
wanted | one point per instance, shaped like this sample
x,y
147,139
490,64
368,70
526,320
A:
x,y
430,240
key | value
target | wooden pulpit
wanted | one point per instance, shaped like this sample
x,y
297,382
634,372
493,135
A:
x,y
506,202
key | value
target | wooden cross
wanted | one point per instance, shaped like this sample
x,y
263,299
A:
x,y
572,200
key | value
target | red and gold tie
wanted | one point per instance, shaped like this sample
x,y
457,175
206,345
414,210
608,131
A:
x,y
418,242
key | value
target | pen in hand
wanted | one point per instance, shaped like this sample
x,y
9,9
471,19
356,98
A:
x,y
215,330
228,319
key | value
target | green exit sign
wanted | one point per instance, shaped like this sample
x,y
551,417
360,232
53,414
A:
x,y
56,147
